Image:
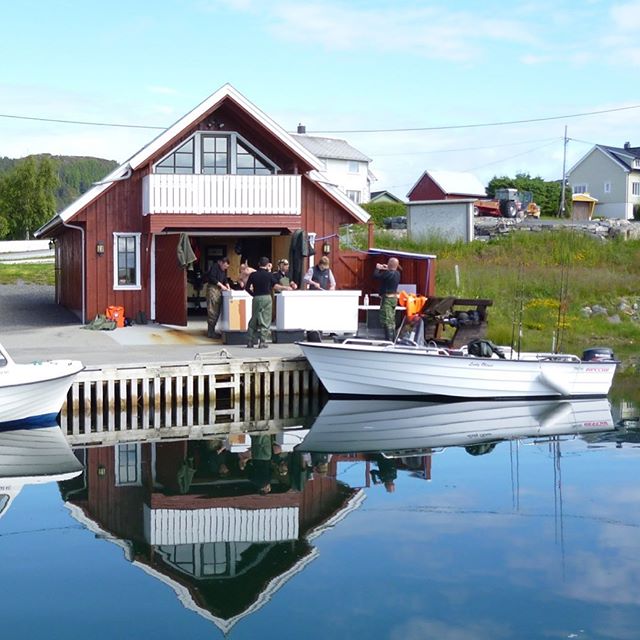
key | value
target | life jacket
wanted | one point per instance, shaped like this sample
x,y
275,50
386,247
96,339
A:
x,y
412,303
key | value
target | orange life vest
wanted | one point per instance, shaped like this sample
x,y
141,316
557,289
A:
x,y
412,303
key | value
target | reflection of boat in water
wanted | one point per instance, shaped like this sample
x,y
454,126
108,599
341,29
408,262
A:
x,y
350,426
33,456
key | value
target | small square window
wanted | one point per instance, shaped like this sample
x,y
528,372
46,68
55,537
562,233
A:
x,y
354,167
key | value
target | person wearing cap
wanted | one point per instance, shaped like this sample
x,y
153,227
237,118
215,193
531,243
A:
x,y
320,277
281,280
217,282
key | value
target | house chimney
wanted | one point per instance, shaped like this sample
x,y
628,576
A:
x,y
302,128
627,145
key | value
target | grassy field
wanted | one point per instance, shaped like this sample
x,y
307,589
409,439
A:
x,y
29,273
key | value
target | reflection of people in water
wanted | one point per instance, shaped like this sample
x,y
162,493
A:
x,y
215,458
259,467
320,463
480,449
386,473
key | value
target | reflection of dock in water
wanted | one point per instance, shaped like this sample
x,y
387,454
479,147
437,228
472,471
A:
x,y
221,546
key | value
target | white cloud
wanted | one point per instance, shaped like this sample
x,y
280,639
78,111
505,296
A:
x,y
431,32
626,17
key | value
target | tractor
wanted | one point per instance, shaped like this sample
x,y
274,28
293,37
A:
x,y
508,203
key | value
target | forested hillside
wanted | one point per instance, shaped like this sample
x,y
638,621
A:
x,y
75,174
34,188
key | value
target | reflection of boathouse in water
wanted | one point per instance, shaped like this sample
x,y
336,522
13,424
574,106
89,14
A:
x,y
223,548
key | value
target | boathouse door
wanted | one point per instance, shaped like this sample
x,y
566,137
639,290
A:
x,y
171,282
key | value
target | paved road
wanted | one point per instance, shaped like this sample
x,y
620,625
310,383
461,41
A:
x,y
33,327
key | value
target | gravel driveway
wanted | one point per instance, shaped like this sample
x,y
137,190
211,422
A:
x,y
30,306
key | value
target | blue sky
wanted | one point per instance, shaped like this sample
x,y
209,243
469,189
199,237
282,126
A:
x,y
337,67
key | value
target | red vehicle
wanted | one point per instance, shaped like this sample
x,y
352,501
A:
x,y
508,203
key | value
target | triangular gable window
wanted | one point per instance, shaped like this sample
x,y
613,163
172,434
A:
x,y
217,153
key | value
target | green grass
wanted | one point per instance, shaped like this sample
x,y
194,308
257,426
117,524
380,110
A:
x,y
26,272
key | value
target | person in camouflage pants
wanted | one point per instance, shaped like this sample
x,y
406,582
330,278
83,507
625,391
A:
x,y
389,276
259,286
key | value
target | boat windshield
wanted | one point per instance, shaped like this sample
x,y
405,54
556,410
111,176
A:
x,y
4,500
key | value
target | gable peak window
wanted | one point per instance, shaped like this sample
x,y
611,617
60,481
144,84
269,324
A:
x,y
216,153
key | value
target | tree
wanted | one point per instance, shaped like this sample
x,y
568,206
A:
x,y
27,196
546,194
381,210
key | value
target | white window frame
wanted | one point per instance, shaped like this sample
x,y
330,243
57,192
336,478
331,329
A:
x,y
126,287
354,195
136,465
353,166
233,138
580,188
635,188
607,187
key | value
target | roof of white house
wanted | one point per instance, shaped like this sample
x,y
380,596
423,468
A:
x,y
331,148
455,182
143,155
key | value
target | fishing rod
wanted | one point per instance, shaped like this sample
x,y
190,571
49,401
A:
x,y
518,311
561,321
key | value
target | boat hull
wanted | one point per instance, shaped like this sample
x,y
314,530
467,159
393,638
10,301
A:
x,y
385,370
32,394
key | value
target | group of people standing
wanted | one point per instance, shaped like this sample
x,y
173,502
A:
x,y
260,283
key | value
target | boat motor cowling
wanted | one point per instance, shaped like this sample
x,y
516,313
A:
x,y
597,353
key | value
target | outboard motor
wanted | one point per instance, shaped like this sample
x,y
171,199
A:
x,y
597,354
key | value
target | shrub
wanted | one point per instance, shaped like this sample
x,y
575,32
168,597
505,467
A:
x,y
381,210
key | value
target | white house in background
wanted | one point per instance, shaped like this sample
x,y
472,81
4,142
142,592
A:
x,y
612,175
343,166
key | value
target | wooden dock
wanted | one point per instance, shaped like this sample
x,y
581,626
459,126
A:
x,y
196,398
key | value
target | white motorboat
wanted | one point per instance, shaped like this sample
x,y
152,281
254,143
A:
x,y
381,368
394,426
33,393
33,456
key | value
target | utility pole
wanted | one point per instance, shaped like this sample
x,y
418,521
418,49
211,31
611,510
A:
x,y
564,176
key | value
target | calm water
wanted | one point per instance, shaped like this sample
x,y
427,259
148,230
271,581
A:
x,y
530,538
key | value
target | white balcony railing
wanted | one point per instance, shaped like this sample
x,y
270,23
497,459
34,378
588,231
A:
x,y
228,194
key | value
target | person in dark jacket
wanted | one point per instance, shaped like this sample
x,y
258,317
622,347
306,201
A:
x,y
217,282
389,276
259,286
